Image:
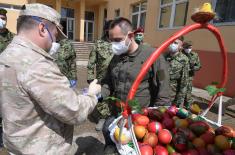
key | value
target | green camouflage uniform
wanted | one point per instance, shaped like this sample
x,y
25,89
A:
x,y
65,59
5,39
195,65
99,60
179,76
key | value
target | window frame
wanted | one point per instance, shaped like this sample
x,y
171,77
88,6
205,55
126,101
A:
x,y
172,17
214,2
117,13
139,12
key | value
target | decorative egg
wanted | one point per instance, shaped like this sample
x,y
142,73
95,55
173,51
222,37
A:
x,y
154,127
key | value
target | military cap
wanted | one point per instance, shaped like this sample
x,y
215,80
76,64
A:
x,y
45,12
139,30
187,44
3,11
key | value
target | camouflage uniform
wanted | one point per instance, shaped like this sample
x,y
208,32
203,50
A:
x,y
5,38
65,59
179,76
99,60
38,106
195,65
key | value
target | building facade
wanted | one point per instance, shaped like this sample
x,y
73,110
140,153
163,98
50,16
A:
x,y
83,21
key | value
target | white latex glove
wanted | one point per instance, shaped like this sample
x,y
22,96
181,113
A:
x,y
94,88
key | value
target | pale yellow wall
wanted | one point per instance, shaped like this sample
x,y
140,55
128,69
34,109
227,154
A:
x,y
202,39
12,16
15,2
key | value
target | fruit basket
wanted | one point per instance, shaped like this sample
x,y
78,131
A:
x,y
170,130
132,135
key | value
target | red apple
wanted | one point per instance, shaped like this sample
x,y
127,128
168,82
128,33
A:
x,y
141,120
154,127
146,149
203,151
160,150
151,139
229,152
208,137
168,123
164,136
190,152
154,114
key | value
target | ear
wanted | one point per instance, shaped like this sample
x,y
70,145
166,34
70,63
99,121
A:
x,y
42,30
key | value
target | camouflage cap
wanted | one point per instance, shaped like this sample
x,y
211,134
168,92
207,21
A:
x,y
187,44
45,12
3,11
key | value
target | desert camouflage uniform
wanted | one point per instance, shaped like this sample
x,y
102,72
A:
x,y
179,76
65,59
5,38
195,65
99,60
38,106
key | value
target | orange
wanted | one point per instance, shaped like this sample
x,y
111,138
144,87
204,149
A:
x,y
140,131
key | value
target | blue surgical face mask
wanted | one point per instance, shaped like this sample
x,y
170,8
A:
x,y
54,45
2,24
173,47
119,48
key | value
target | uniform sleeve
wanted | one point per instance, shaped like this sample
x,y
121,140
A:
x,y
51,91
197,64
106,83
182,83
91,64
163,82
73,63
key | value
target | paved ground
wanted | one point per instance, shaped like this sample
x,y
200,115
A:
x,y
91,142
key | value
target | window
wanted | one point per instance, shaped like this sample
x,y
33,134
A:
x,y
139,15
67,12
173,13
68,22
225,11
117,13
89,26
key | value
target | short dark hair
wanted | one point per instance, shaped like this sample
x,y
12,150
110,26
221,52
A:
x,y
181,38
28,23
123,23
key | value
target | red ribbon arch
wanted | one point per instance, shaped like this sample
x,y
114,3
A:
x,y
146,66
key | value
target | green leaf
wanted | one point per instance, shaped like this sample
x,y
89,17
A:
x,y
212,90
135,106
222,90
214,83
112,98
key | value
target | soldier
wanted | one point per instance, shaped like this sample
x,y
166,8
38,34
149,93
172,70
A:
x,y
179,71
38,106
139,36
5,35
195,65
66,61
99,60
124,68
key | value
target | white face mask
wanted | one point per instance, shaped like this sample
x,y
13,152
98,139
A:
x,y
187,50
173,48
2,24
119,48
54,48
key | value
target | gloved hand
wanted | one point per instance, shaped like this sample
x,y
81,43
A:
x,y
73,83
94,88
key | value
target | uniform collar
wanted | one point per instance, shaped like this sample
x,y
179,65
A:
x,y
22,41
